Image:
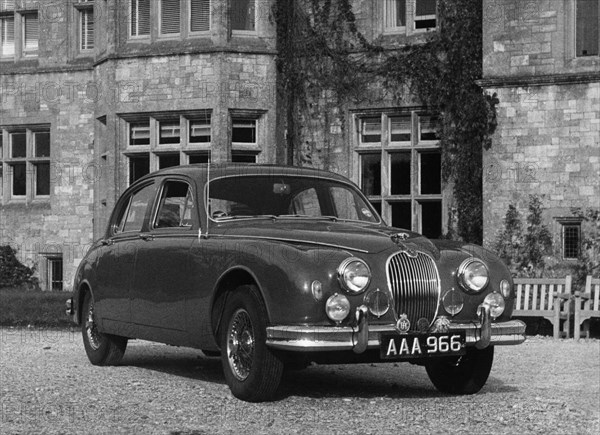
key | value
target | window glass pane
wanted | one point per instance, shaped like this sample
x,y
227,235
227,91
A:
x,y
242,157
7,5
41,143
140,17
7,36
431,173
86,34
395,13
198,158
425,7
200,131
55,274
139,133
170,15
400,173
243,131
243,15
200,15
18,145
42,179
571,241
32,32
19,179
401,215
169,132
427,128
137,209
138,167
431,219
345,205
370,130
176,205
400,128
587,28
370,169
168,160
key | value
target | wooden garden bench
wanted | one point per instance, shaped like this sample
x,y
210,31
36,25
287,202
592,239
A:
x,y
545,297
587,306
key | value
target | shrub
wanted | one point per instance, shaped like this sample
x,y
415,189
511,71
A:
x,y
524,251
13,273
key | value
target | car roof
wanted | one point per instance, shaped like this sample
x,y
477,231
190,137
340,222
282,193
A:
x,y
199,171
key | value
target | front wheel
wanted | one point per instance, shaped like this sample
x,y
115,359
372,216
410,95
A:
x,y
101,349
465,374
252,371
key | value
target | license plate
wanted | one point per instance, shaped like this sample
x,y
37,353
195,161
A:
x,y
412,346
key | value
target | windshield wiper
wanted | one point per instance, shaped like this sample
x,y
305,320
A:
x,y
305,216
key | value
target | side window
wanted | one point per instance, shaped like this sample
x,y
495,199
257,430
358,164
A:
x,y
134,217
306,203
175,207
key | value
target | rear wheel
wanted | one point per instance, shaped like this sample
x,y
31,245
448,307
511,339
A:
x,y
252,371
466,374
101,349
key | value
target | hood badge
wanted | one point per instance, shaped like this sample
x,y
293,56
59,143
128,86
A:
x,y
403,324
404,248
399,236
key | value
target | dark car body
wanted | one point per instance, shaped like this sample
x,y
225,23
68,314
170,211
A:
x,y
170,261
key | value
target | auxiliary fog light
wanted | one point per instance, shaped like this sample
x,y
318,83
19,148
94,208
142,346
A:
x,y
337,307
505,288
378,302
453,302
496,303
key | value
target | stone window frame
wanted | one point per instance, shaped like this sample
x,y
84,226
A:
x,y
244,151
19,16
571,57
185,149
257,14
30,161
409,27
155,23
83,8
565,224
416,148
52,271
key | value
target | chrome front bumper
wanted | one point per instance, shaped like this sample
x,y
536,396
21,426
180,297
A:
x,y
364,336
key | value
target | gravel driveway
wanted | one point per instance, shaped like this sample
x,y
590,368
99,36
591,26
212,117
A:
x,y
48,386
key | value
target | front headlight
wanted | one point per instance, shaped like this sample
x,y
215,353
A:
x,y
354,275
473,275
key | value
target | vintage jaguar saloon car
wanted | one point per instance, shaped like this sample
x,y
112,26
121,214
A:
x,y
274,266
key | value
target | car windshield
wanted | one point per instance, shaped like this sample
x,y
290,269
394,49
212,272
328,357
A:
x,y
293,197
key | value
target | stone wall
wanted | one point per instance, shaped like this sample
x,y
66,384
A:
x,y
63,223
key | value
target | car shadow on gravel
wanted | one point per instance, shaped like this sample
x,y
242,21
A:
x,y
190,364
365,382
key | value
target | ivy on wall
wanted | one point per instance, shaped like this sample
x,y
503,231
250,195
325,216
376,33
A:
x,y
322,53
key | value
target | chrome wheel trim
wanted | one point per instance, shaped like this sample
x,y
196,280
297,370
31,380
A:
x,y
91,329
240,344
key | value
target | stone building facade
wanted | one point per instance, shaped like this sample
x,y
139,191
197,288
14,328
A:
x,y
542,59
96,93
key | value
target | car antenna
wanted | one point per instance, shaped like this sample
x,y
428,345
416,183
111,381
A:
x,y
207,196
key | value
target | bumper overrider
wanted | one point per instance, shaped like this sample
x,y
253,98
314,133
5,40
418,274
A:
x,y
481,333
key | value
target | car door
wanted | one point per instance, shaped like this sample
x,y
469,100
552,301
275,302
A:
x,y
116,261
162,281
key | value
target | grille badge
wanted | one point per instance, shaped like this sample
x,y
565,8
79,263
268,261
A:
x,y
403,324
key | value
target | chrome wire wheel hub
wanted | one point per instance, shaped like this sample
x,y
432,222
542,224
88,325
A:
x,y
91,329
240,344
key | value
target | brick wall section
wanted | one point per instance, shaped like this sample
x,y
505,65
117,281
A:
x,y
62,224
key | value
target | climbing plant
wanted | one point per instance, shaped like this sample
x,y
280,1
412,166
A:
x,y
324,57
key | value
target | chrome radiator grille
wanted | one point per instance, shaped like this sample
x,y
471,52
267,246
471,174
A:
x,y
415,285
